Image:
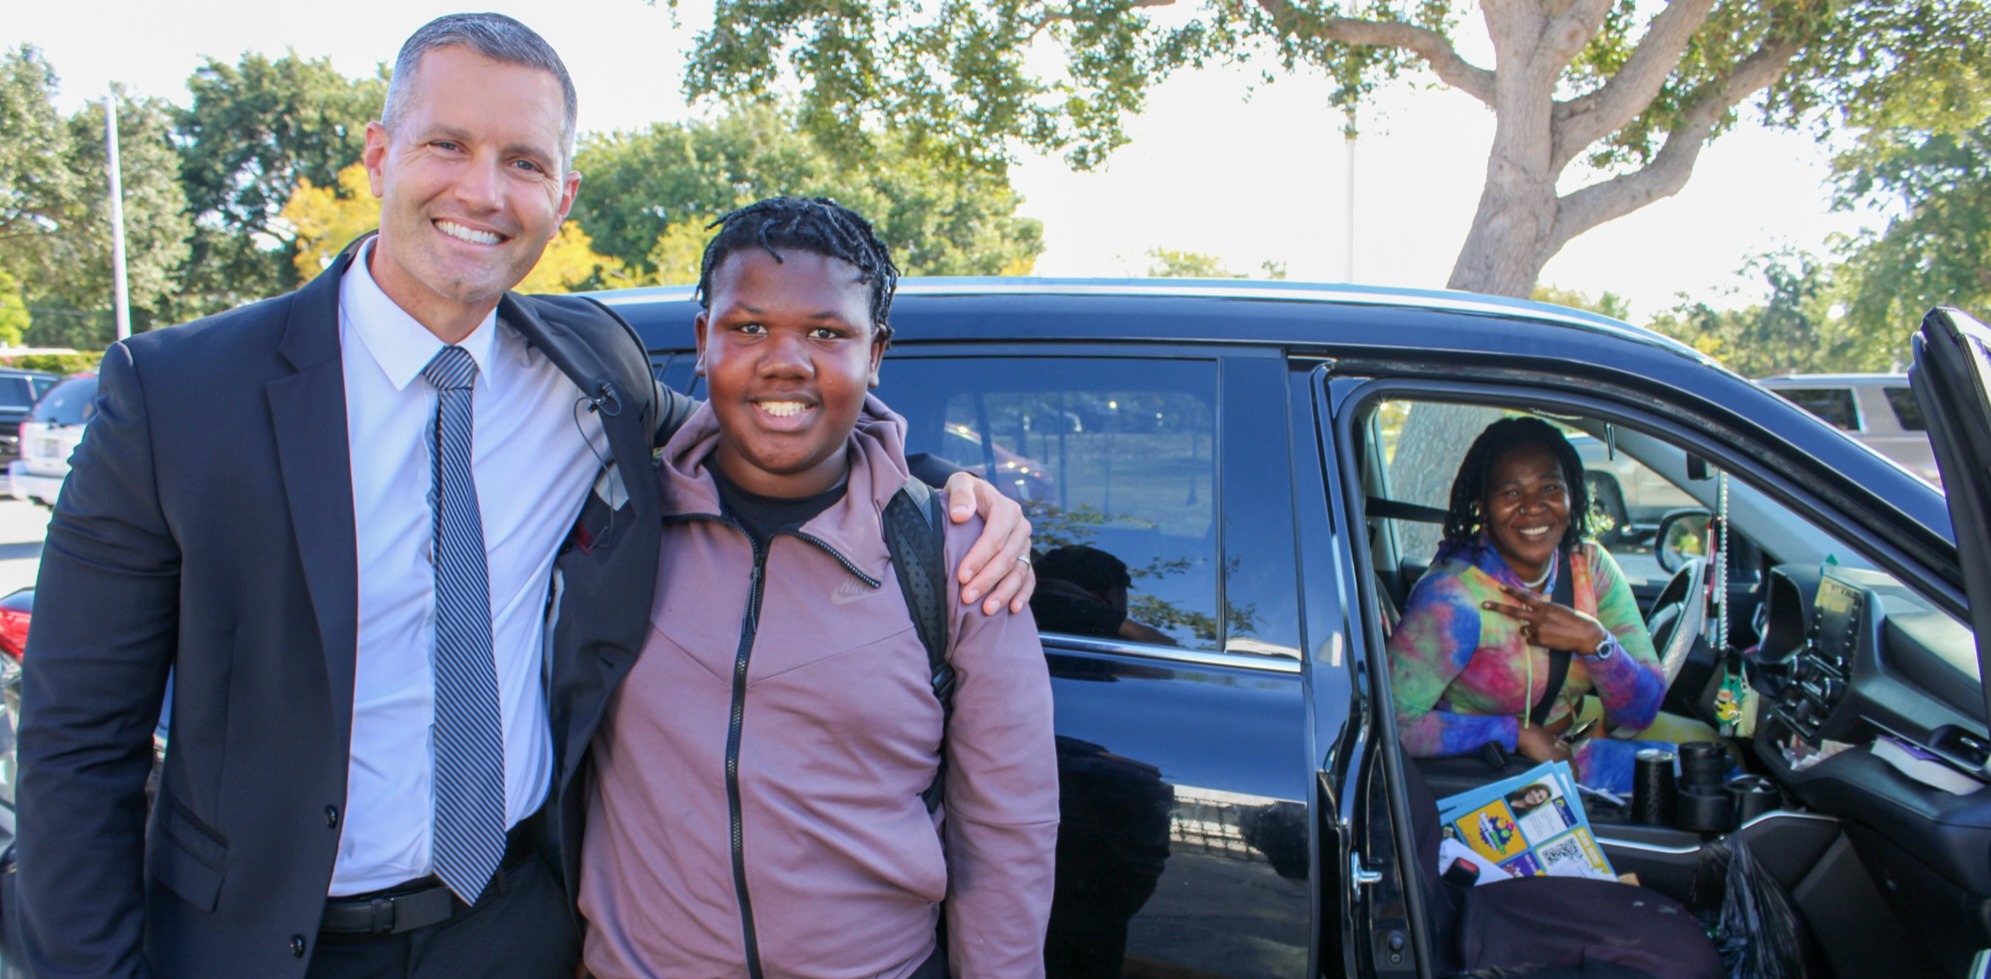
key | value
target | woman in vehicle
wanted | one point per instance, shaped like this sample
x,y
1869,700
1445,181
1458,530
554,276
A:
x,y
1470,661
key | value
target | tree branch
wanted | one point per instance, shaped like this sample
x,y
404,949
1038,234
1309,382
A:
x,y
1571,30
1436,50
1581,210
1590,117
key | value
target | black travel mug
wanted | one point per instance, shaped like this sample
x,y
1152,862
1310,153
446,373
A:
x,y
1652,787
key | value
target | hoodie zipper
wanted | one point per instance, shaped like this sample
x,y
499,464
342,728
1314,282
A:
x,y
736,726
748,627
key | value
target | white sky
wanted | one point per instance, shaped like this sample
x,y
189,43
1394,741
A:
x,y
1215,165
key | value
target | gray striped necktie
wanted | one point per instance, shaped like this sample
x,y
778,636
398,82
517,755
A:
x,y
469,838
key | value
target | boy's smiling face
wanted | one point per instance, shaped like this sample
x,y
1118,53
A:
x,y
787,350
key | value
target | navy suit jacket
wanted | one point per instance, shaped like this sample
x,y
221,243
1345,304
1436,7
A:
x,y
207,528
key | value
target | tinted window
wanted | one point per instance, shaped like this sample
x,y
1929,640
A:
x,y
1835,405
1906,411
1114,461
16,392
68,403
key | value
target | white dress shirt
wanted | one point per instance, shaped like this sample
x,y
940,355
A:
x,y
533,463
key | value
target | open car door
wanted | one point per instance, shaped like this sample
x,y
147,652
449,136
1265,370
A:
x,y
1952,381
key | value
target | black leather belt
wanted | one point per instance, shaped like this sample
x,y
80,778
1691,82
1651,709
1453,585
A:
x,y
418,903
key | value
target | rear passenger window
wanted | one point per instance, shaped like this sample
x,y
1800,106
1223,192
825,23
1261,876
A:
x,y
16,392
1906,411
70,403
1835,405
1113,460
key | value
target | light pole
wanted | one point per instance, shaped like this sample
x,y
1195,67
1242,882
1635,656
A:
x,y
120,300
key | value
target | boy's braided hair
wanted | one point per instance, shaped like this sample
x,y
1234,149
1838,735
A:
x,y
813,224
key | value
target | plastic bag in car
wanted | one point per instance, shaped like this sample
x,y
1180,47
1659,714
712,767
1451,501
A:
x,y
1748,914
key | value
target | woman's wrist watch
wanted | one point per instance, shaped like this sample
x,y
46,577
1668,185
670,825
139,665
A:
x,y
1604,647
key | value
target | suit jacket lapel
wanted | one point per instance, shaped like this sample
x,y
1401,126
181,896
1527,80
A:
x,y
308,410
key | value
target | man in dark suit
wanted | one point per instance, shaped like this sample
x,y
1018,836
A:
x,y
394,536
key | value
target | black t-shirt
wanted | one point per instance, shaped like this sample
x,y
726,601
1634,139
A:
x,y
765,516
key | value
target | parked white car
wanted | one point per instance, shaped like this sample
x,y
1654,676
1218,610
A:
x,y
51,432
1878,409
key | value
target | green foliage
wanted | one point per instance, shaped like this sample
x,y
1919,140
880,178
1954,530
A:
x,y
76,363
1170,263
1801,329
1062,76
1936,250
253,131
14,317
668,181
39,196
55,232
1609,304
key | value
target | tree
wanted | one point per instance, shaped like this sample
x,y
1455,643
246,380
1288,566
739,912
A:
x,y
1609,304
14,317
1936,250
55,234
324,220
1800,329
155,219
39,196
1170,263
254,130
647,195
1601,106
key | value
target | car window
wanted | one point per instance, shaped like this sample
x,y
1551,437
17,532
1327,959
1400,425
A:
x,y
1835,405
42,384
16,392
1115,463
68,403
1906,411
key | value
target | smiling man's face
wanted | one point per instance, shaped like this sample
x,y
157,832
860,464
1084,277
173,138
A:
x,y
472,186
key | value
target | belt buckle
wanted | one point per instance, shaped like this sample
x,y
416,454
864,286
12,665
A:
x,y
383,915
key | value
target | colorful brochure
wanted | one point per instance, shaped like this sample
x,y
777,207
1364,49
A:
x,y
1529,824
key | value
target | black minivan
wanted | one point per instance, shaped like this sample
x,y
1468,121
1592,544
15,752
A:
x,y
1263,461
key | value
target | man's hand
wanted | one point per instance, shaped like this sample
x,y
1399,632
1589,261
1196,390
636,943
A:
x,y
998,566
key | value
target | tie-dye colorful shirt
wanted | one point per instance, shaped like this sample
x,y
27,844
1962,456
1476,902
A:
x,y
1461,676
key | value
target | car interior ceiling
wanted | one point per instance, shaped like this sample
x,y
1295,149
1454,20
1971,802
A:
x,y
1862,857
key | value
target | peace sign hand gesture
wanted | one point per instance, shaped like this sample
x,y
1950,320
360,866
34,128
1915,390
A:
x,y
1544,623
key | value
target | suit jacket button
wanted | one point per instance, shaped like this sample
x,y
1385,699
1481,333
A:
x,y
332,816
297,946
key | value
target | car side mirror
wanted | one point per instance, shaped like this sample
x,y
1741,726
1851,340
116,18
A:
x,y
1682,535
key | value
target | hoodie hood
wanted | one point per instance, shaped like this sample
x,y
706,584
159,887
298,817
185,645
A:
x,y
852,528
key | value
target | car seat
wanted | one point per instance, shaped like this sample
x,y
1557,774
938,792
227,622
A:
x,y
1551,926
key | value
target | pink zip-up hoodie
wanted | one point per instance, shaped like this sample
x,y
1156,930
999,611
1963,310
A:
x,y
819,859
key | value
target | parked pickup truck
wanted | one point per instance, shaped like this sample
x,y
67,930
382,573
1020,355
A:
x,y
1232,487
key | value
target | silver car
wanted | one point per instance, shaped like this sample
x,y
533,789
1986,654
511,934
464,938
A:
x,y
1877,409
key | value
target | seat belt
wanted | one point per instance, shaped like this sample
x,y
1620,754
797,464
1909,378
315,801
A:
x,y
1564,595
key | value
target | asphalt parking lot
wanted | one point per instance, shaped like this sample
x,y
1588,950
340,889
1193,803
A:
x,y
22,527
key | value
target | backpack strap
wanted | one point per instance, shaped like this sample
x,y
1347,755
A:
x,y
1565,594
914,536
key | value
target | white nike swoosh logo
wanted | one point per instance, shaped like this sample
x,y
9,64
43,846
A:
x,y
851,591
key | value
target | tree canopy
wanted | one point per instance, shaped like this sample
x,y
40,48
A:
x,y
647,195
254,130
55,234
1601,106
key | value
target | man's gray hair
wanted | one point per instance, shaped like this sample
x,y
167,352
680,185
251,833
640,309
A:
x,y
494,36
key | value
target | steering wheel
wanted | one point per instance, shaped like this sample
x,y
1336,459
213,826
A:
x,y
1679,616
